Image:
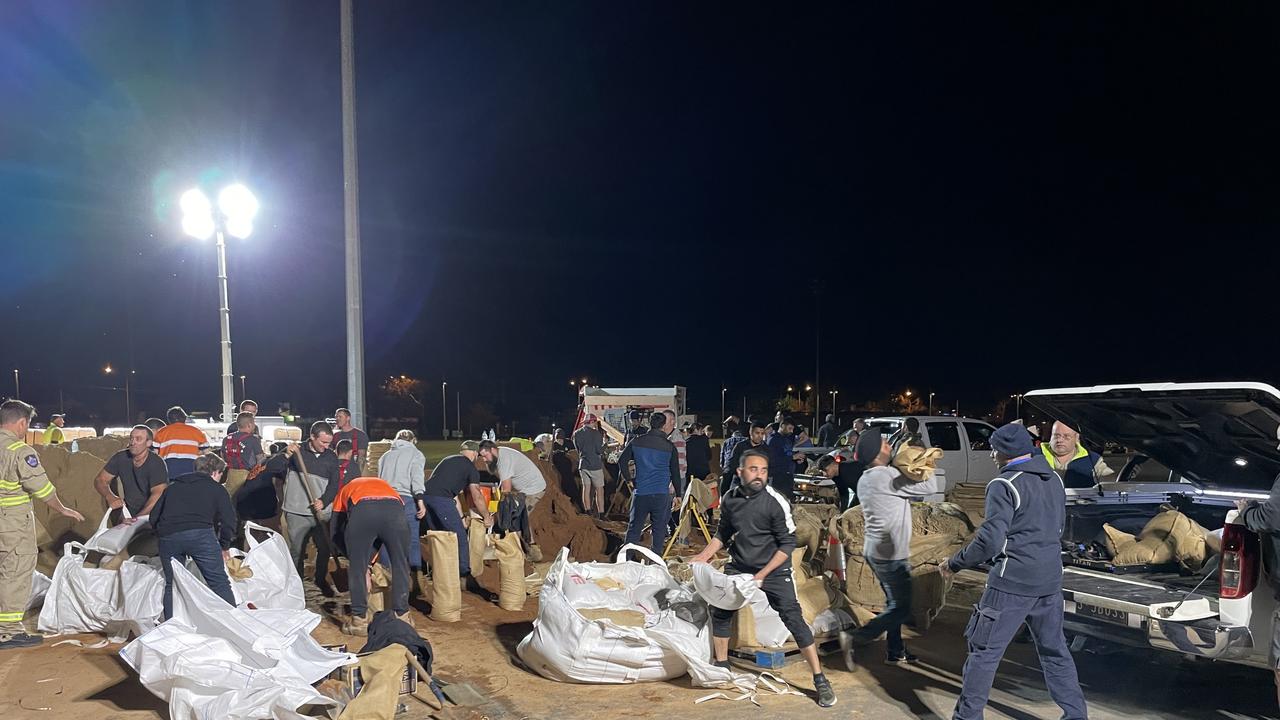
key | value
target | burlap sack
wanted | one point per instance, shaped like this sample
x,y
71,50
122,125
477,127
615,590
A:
x,y
810,533
510,571
477,539
1168,537
1116,540
917,464
235,481
379,588
446,597
382,672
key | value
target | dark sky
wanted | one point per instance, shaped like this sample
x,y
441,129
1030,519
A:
x,y
991,199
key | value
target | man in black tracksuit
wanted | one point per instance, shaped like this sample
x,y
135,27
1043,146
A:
x,y
1021,536
756,526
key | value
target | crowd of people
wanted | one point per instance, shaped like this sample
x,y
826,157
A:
x,y
195,502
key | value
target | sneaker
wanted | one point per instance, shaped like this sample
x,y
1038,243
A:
x,y
826,696
21,640
905,658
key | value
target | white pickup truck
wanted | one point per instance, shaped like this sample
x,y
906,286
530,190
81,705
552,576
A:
x,y
1219,441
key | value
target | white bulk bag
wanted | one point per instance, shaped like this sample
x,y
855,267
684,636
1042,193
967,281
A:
x,y
213,660
566,647
39,587
275,582
142,590
80,599
114,540
732,592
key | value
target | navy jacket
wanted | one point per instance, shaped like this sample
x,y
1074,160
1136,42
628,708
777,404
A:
x,y
1022,532
657,465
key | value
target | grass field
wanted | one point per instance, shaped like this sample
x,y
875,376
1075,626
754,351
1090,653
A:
x,y
437,450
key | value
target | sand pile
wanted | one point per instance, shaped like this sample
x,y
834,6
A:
x,y
72,474
102,447
373,454
556,521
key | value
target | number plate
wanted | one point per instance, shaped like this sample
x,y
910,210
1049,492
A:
x,y
1115,617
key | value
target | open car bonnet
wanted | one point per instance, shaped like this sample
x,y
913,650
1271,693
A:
x,y
1220,436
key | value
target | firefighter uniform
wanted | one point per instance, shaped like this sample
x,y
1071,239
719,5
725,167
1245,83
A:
x,y
22,480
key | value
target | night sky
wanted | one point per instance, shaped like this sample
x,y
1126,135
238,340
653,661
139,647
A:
x,y
990,200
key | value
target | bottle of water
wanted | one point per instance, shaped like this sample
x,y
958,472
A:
x,y
75,446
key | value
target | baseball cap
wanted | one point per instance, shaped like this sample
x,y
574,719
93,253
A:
x,y
471,445
590,418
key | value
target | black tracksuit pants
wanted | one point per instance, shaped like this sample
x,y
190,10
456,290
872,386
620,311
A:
x,y
780,589
369,521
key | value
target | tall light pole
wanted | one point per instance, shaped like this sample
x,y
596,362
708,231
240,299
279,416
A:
x,y
444,409
128,406
234,216
931,404
351,219
17,389
723,390
457,398
834,394
243,395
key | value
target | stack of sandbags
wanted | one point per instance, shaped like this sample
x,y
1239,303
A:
x,y
102,447
1168,537
811,532
938,530
72,475
972,499
372,454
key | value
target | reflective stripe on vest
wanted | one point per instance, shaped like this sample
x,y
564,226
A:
x,y
15,446
15,500
11,617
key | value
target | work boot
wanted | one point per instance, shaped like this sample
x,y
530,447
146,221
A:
x,y
826,695
357,625
474,586
20,640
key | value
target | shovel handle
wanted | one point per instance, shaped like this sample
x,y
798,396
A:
x,y
423,676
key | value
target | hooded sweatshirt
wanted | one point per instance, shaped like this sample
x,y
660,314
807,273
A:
x,y
1026,511
404,467
195,501
886,497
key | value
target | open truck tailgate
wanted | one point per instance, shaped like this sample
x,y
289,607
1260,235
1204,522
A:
x,y
1124,600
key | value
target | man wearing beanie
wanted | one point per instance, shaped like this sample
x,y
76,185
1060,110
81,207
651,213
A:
x,y
886,497
1021,536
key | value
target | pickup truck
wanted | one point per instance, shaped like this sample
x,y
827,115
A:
x,y
1219,440
965,444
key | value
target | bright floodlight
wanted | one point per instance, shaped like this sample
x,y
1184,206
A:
x,y
236,202
239,227
197,214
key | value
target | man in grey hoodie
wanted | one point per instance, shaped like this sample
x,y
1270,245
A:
x,y
886,495
403,466
1021,536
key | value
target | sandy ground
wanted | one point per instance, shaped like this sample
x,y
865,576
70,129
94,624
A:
x,y
71,682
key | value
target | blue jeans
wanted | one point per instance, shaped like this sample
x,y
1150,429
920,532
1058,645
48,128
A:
x,y
442,514
201,545
995,620
895,580
657,508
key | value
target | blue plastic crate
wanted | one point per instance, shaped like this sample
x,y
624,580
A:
x,y
771,659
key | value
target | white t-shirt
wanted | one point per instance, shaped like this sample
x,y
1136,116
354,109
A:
x,y
525,477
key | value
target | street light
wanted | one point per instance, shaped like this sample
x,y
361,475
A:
x,y
234,216
243,395
723,390
128,406
931,403
444,408
834,394
17,389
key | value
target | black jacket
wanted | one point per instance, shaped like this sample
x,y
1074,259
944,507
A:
x,y
697,452
828,433
755,526
1264,518
192,502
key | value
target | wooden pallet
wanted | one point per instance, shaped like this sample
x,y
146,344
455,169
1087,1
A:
x,y
777,658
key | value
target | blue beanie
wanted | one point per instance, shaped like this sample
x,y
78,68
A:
x,y
1012,440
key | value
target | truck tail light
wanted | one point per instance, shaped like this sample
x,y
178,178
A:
x,y
1238,573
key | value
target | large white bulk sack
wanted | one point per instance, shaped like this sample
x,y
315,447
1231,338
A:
x,y
275,582
567,647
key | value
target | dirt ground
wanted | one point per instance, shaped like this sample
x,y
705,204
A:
x,y
81,684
